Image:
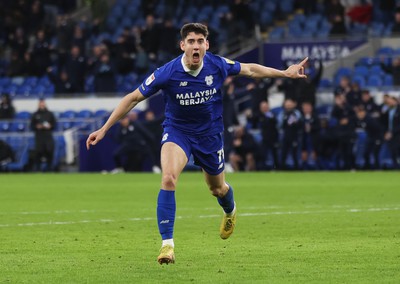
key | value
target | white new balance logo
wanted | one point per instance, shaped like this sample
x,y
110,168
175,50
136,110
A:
x,y
183,84
164,222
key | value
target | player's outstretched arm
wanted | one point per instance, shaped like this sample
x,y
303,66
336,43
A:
x,y
125,105
258,71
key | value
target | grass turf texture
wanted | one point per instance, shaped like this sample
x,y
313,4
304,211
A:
x,y
291,228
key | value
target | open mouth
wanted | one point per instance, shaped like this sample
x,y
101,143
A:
x,y
196,56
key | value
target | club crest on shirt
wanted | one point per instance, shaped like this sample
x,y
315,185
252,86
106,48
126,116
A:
x,y
150,79
209,80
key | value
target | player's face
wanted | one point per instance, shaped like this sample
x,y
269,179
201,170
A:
x,y
194,46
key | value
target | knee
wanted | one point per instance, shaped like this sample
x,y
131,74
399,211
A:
x,y
169,181
219,191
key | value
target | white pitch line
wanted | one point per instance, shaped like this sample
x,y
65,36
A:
x,y
48,212
249,214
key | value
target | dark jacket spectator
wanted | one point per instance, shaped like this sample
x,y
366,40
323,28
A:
x,y
374,131
268,125
392,129
43,123
291,123
7,110
41,54
393,69
244,150
75,66
311,132
61,82
104,75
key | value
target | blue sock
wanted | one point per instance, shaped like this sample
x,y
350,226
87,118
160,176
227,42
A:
x,y
227,202
166,208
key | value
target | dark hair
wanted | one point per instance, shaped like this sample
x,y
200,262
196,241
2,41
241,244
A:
x,y
197,28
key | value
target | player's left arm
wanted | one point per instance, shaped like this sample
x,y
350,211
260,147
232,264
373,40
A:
x,y
254,70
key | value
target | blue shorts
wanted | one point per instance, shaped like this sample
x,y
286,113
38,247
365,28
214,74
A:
x,y
207,151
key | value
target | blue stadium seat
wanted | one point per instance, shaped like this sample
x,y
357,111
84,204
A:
x,y
68,114
360,80
385,51
4,126
361,71
325,83
101,113
374,81
19,126
23,115
388,80
85,113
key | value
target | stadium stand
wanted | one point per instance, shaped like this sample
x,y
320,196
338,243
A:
x,y
136,37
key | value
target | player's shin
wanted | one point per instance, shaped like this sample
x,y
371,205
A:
x,y
166,208
227,202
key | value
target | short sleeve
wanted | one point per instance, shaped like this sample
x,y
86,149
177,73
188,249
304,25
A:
x,y
154,82
231,67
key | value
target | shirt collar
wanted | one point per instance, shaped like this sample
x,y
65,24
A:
x,y
194,73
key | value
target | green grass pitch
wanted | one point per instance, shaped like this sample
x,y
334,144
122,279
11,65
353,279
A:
x,y
291,228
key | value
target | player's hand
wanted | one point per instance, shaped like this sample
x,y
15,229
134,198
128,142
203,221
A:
x,y
296,70
94,138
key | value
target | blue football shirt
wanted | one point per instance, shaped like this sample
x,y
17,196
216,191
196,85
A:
x,y
193,99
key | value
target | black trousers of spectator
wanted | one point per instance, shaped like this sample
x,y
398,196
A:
x,y
270,147
394,146
44,152
373,146
346,154
290,145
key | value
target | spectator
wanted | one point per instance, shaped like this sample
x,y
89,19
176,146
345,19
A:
x,y
43,123
311,133
123,55
168,41
62,83
393,69
396,24
154,126
63,36
338,26
104,75
7,110
291,125
344,115
345,89
150,36
353,96
369,104
392,129
269,132
229,117
134,141
307,89
35,16
79,39
17,65
75,66
6,154
374,133
41,54
18,42
243,153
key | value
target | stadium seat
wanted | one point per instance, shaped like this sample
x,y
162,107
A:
x,y
374,81
4,126
23,115
85,113
388,80
385,51
360,80
361,71
19,126
68,114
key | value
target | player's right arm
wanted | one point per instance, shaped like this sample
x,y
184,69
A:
x,y
125,105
